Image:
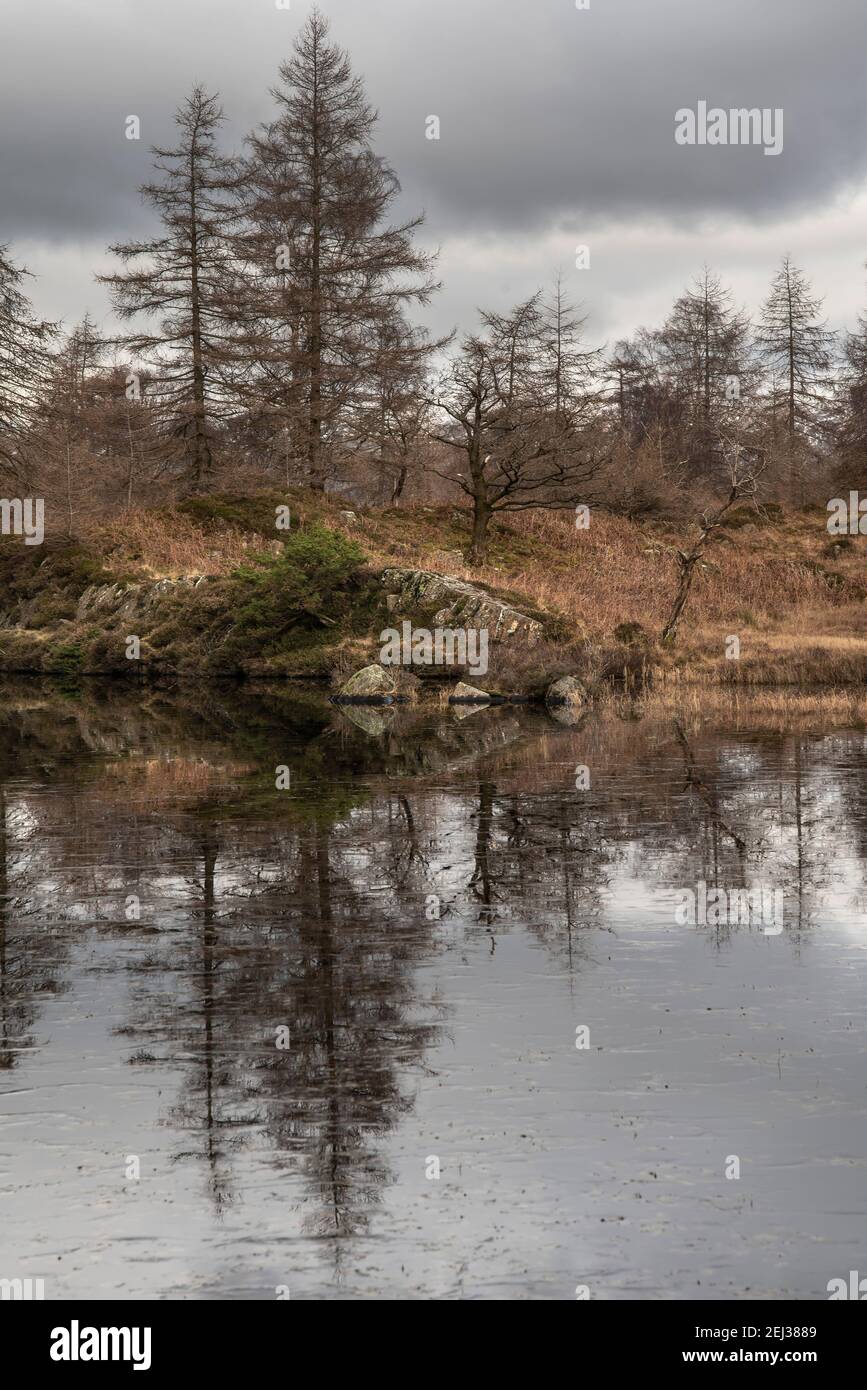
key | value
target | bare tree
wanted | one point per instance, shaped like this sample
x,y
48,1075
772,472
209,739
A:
x,y
703,345
393,415
325,273
799,346
744,472
185,276
519,409
24,366
851,407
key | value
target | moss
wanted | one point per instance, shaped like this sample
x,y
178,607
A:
x,y
254,514
54,575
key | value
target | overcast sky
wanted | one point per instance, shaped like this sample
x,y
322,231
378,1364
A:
x,y
557,130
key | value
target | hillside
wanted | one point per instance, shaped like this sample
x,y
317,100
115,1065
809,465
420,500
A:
x,y
308,603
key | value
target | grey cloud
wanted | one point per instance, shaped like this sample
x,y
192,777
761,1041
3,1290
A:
x,y
550,115
546,110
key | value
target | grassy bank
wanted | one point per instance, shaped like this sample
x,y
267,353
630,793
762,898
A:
x,y
309,602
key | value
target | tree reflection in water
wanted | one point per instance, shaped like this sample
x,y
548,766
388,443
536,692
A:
x,y
305,910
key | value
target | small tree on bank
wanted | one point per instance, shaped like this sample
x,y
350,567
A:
x,y
743,477
520,414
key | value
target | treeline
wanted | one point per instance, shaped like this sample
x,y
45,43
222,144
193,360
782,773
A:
x,y
270,341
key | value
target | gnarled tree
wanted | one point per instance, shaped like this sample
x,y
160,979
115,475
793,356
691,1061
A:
x,y
519,406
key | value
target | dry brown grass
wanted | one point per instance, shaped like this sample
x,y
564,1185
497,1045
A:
x,y
796,603
775,709
168,544
617,571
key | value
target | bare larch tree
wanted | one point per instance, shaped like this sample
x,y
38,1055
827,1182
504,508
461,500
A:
x,y
798,345
325,274
185,276
24,368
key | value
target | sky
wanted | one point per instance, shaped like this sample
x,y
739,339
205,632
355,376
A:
x,y
556,131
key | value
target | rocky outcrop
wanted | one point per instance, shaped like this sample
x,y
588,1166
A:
x,y
130,601
449,602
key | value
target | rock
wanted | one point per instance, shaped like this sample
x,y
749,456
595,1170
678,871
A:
x,y
464,694
370,683
351,518
568,690
459,604
131,601
570,716
374,722
462,712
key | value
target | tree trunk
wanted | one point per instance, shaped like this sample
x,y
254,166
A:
x,y
314,447
399,485
68,487
201,450
687,571
131,469
481,518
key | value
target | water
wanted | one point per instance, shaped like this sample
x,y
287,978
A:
x,y
434,911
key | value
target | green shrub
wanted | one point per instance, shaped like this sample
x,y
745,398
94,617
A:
x,y
66,660
309,585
